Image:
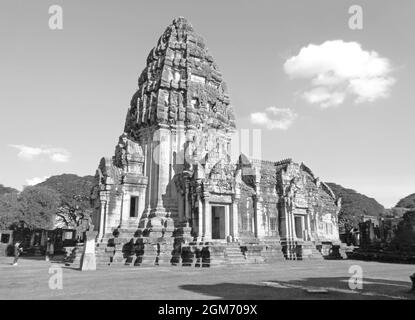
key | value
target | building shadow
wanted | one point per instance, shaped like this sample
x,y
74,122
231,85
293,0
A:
x,y
336,288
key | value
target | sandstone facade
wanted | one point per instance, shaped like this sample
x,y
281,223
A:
x,y
172,193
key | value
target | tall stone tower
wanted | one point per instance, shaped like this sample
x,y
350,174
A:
x,y
179,120
172,194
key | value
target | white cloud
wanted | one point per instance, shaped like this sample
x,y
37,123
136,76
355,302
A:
x,y
274,118
59,157
323,96
338,69
30,153
26,152
35,180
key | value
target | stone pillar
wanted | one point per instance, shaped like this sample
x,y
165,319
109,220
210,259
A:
x,y
234,225
102,217
149,172
32,239
88,259
200,220
292,222
207,219
180,206
227,221
309,236
186,202
162,156
107,225
255,207
260,231
289,236
287,224
141,203
125,208
43,238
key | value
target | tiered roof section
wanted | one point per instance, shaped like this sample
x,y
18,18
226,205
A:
x,y
180,84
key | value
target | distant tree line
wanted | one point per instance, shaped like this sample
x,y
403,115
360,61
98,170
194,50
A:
x,y
63,200
354,206
407,202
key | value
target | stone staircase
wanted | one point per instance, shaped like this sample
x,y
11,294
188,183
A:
x,y
272,252
307,251
235,255
181,250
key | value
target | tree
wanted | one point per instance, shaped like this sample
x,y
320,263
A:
x,y
405,233
37,206
10,214
5,190
354,206
407,202
75,197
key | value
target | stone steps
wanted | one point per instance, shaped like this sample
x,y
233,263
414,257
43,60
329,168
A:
x,y
234,255
272,252
167,251
308,251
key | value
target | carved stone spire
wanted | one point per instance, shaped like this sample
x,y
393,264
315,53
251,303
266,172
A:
x,y
180,84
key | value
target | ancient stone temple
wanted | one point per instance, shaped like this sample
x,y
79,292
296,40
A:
x,y
173,194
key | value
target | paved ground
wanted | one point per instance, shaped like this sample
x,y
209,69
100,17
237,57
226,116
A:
x,y
285,280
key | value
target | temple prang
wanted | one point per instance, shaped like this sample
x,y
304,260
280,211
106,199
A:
x,y
172,194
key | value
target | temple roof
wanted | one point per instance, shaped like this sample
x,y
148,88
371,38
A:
x,y
180,83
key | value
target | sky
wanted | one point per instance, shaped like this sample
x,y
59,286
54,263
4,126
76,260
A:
x,y
337,98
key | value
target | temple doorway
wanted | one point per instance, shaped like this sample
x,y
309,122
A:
x,y
218,222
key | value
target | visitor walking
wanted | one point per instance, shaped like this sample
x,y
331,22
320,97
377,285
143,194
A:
x,y
50,249
17,251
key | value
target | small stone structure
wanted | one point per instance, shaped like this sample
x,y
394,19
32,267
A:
x,y
88,260
6,242
389,239
172,194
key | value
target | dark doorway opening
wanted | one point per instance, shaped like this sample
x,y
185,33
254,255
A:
x,y
298,227
218,222
133,207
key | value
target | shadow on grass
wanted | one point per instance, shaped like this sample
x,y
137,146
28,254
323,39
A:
x,y
337,288
70,267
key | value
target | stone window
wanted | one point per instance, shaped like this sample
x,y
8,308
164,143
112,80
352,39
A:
x,y
5,238
134,207
68,235
273,223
